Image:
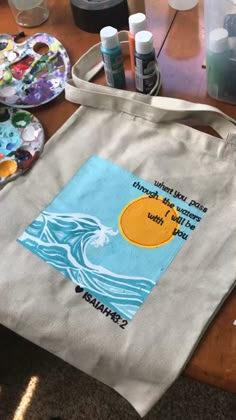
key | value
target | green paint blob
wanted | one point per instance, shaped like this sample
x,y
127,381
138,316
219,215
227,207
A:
x,y
21,119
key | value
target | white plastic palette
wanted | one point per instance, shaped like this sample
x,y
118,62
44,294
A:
x,y
29,78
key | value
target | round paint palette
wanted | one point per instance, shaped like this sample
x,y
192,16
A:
x,y
21,142
33,72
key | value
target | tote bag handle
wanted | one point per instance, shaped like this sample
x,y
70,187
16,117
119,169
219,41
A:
x,y
152,108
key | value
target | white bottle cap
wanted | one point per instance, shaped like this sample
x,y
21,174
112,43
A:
x,y
144,42
219,40
109,37
182,4
137,23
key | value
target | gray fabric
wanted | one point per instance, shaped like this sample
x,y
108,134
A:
x,y
38,303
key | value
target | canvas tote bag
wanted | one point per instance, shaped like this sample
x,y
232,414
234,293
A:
x,y
138,210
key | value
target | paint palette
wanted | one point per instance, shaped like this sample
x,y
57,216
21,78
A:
x,y
21,142
33,72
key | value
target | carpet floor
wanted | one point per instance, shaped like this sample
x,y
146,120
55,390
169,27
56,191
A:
x,y
35,385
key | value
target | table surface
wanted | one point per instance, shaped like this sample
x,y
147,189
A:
x,y
179,42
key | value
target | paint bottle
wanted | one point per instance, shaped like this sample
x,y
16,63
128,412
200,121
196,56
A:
x,y
218,55
230,26
112,57
137,23
146,73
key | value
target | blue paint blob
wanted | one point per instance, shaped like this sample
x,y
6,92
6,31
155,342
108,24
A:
x,y
9,139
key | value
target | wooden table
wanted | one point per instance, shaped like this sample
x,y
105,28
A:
x,y
179,42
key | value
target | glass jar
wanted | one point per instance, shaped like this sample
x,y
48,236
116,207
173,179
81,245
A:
x,y
29,13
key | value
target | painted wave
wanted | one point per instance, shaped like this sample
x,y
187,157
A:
x,y
62,240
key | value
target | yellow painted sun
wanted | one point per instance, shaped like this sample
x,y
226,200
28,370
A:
x,y
148,222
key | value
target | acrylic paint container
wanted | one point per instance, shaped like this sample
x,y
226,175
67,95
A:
x,y
218,55
146,71
137,23
112,57
220,35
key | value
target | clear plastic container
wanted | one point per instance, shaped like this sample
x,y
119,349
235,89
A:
x,y
29,13
220,24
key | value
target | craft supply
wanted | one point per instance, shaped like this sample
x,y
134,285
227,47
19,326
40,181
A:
x,y
145,62
112,57
230,26
137,23
29,13
27,77
136,6
218,55
92,16
183,4
21,142
220,36
18,35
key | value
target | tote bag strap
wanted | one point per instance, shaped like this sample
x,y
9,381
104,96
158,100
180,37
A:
x,y
156,109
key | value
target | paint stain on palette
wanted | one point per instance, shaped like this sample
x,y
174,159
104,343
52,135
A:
x,y
21,142
33,72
